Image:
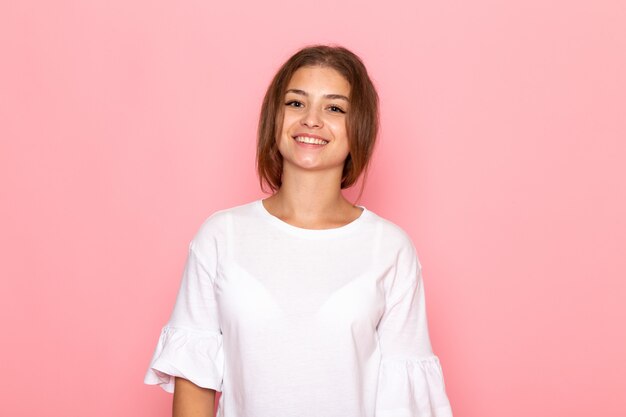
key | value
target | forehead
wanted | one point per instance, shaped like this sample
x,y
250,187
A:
x,y
319,80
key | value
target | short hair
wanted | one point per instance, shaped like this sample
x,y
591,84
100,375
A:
x,y
362,119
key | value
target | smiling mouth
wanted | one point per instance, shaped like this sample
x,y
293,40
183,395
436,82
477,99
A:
x,y
310,140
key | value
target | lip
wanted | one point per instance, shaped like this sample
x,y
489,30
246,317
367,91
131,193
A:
x,y
310,135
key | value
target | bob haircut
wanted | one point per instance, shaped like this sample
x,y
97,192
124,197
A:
x,y
362,118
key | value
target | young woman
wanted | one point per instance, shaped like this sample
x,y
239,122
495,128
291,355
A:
x,y
303,304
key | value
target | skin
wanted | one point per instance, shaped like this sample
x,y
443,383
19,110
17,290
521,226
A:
x,y
310,196
191,400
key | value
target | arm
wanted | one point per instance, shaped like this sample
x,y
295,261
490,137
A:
x,y
411,379
191,400
189,352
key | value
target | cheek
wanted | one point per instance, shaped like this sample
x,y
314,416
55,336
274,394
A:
x,y
340,130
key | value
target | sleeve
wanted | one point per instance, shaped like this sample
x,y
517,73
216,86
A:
x,y
410,382
190,344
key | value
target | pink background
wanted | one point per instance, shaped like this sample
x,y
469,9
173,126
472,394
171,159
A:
x,y
124,124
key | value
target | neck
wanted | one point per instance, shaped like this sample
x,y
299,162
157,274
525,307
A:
x,y
310,191
311,198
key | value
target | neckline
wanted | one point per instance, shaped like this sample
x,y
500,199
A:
x,y
311,232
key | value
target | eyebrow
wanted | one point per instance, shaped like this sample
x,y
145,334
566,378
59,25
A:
x,y
331,96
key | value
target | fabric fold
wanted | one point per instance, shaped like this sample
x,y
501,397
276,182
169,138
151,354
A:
x,y
412,388
195,355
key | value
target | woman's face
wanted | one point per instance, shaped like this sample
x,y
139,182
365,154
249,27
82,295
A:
x,y
314,135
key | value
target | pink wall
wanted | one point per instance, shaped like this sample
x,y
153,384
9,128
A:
x,y
124,124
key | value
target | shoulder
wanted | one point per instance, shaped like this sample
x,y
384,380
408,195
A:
x,y
215,227
391,233
395,241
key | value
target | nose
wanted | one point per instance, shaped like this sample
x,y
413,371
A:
x,y
311,118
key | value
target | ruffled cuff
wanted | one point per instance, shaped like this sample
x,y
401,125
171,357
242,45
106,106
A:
x,y
191,354
412,388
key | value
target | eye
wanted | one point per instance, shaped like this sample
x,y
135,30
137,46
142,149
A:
x,y
336,109
294,103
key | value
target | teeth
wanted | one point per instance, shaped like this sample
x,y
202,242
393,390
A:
x,y
306,139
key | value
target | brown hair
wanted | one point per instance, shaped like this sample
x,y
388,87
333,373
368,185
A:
x,y
362,119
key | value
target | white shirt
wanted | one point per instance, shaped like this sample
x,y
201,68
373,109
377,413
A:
x,y
293,322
